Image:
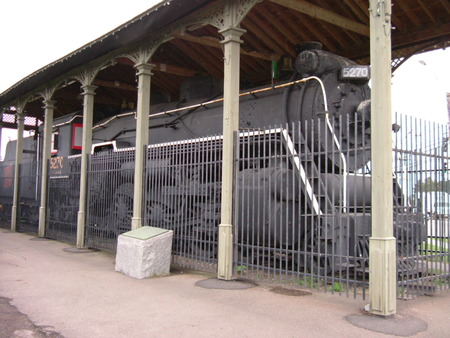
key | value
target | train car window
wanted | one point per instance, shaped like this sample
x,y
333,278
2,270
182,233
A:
x,y
77,136
55,142
103,148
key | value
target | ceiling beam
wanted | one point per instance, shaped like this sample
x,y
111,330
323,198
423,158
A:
x,y
324,15
115,85
215,43
446,5
419,35
406,8
400,40
163,67
426,10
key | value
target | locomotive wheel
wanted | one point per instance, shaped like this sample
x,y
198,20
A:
x,y
319,257
123,203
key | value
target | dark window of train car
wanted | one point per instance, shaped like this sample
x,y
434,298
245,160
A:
x,y
103,148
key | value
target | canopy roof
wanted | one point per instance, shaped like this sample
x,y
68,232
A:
x,y
274,29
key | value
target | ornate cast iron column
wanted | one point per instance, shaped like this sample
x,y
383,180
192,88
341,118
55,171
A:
x,y
382,279
19,151
228,21
144,74
49,107
231,44
88,112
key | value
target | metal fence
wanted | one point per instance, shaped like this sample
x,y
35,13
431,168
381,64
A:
x,y
6,192
182,193
63,182
420,166
303,213
29,197
302,210
110,198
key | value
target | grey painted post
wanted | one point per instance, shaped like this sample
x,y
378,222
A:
x,y
382,286
88,112
19,151
49,107
231,44
144,73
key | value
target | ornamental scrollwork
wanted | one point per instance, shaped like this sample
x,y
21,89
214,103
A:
x,y
225,14
143,52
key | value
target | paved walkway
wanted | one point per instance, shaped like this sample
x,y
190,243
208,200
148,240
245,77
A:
x,y
80,295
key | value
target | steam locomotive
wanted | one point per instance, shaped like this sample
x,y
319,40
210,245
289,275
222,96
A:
x,y
323,87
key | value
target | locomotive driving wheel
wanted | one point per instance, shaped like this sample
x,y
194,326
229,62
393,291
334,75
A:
x,y
319,253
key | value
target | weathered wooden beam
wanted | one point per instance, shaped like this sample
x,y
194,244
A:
x,y
324,15
356,10
319,35
163,67
409,12
419,35
402,40
446,5
257,26
215,43
341,40
278,24
115,85
426,10
196,55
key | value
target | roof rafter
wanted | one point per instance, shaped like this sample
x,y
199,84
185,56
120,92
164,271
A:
x,y
213,42
325,15
163,67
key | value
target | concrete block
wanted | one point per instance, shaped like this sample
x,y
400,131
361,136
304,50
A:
x,y
144,252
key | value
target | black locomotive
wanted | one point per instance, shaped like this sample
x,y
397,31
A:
x,y
335,95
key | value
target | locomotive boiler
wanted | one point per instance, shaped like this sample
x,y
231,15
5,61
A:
x,y
316,122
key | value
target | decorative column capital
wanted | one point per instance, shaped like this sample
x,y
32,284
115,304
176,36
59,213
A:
x,y
49,104
232,34
88,89
144,68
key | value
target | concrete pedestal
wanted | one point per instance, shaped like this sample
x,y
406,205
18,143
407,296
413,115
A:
x,y
144,252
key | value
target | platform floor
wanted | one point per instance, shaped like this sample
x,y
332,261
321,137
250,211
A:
x,y
80,295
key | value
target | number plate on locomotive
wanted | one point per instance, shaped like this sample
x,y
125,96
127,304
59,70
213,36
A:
x,y
355,72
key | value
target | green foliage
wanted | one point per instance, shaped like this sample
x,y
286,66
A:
x,y
430,185
337,287
241,269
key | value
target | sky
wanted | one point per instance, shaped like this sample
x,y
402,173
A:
x,y
34,33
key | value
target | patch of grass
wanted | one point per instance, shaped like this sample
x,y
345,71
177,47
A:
x,y
310,282
241,269
336,287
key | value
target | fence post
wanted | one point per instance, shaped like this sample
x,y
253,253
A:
x,y
382,251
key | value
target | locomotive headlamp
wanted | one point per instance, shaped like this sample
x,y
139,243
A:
x,y
355,73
